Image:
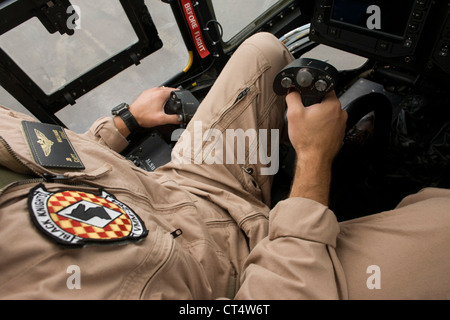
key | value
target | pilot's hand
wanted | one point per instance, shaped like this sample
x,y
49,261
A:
x,y
148,109
316,132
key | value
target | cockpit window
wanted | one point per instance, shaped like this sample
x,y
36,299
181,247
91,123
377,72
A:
x,y
235,15
113,41
54,60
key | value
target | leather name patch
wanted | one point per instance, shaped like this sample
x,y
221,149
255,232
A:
x,y
50,146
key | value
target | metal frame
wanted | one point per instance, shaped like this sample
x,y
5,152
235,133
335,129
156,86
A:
x,y
280,19
211,35
53,14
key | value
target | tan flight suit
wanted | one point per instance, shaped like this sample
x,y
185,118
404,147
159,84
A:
x,y
232,244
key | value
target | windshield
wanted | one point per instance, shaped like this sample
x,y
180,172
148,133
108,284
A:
x,y
53,60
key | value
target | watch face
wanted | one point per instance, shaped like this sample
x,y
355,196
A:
x,y
122,107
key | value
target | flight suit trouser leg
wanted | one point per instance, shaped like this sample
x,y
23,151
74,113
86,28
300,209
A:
x,y
403,253
399,254
224,153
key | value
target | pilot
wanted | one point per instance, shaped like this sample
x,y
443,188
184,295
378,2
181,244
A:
x,y
97,227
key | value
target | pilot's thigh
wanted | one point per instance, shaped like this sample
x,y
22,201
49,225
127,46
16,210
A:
x,y
400,254
226,129
250,72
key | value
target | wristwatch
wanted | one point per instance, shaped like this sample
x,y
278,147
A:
x,y
123,111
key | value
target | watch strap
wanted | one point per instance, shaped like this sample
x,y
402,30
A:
x,y
129,119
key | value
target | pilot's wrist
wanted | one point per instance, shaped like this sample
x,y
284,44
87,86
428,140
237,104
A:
x,y
312,179
121,126
124,119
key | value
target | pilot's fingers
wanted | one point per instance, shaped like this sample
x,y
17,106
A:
x,y
295,105
171,119
167,89
294,98
331,100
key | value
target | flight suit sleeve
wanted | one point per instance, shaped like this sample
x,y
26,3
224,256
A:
x,y
103,131
297,260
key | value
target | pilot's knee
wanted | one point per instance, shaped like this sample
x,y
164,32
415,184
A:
x,y
263,38
272,48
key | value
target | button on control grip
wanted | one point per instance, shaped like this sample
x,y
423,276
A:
x,y
314,79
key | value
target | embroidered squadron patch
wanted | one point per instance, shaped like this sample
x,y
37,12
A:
x,y
79,218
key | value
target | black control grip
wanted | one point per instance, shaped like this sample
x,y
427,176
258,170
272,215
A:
x,y
173,105
182,103
314,79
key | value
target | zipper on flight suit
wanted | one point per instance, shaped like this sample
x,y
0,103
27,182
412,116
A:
x,y
15,157
242,95
45,177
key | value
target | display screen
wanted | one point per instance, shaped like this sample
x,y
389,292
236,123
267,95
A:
x,y
387,16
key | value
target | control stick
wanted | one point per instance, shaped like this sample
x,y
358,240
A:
x,y
314,79
182,103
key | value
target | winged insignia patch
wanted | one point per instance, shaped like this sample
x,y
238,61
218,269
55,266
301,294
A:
x,y
45,143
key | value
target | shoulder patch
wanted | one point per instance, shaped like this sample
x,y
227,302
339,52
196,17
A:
x,y
75,218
